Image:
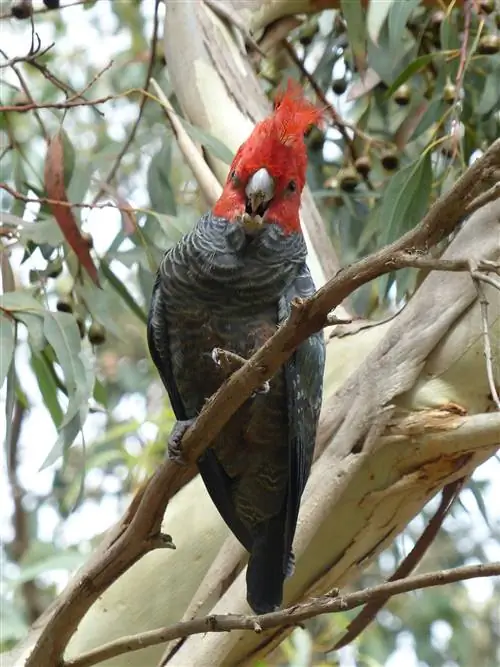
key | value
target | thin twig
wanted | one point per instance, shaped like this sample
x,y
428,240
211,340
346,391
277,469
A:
x,y
484,198
46,200
27,92
488,355
286,617
68,104
368,613
152,57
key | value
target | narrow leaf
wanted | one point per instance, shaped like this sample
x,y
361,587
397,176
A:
x,y
47,385
7,345
354,16
406,198
218,149
122,291
414,67
54,185
377,14
62,333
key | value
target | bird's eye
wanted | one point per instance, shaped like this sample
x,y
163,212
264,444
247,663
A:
x,y
233,176
292,186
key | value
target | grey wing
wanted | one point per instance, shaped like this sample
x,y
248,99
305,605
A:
x,y
159,348
304,386
216,480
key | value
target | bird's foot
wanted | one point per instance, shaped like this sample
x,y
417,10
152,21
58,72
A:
x,y
174,447
230,362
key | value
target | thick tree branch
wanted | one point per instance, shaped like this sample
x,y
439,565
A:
x,y
371,609
327,604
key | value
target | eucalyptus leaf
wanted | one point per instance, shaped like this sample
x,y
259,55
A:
x,y
406,198
213,145
47,385
160,189
414,67
65,560
397,20
19,301
7,345
376,16
34,324
42,231
62,333
122,291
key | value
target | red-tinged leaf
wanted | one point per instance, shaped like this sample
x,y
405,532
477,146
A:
x,y
54,186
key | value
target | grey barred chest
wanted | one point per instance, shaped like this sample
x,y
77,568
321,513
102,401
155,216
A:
x,y
194,336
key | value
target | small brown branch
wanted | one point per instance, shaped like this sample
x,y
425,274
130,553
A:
x,y
144,99
368,613
46,200
286,617
435,264
131,538
27,92
488,355
484,198
68,104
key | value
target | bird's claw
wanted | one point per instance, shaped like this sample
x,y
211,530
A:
x,y
230,362
174,446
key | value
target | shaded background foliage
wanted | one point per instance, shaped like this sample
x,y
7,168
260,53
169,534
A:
x,y
86,418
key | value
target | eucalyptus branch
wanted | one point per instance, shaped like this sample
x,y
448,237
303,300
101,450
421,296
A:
x,y
294,615
139,531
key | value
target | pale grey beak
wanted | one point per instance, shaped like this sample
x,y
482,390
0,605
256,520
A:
x,y
259,192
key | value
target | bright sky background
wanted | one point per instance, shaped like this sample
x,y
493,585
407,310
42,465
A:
x,y
38,434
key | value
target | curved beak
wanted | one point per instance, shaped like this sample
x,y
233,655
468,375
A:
x,y
259,192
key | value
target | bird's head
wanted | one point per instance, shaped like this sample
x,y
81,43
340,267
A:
x,y
268,173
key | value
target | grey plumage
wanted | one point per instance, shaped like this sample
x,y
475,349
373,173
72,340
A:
x,y
219,287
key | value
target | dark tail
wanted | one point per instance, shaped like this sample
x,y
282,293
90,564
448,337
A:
x,y
267,568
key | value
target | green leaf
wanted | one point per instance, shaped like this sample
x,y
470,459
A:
x,y
34,324
397,20
102,305
66,560
122,291
354,16
377,14
68,156
434,112
406,198
45,375
490,97
42,231
62,333
19,300
218,149
7,345
160,189
414,67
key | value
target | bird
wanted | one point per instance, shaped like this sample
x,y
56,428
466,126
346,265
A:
x,y
227,285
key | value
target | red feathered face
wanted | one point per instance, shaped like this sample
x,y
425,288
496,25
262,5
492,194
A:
x,y
268,173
